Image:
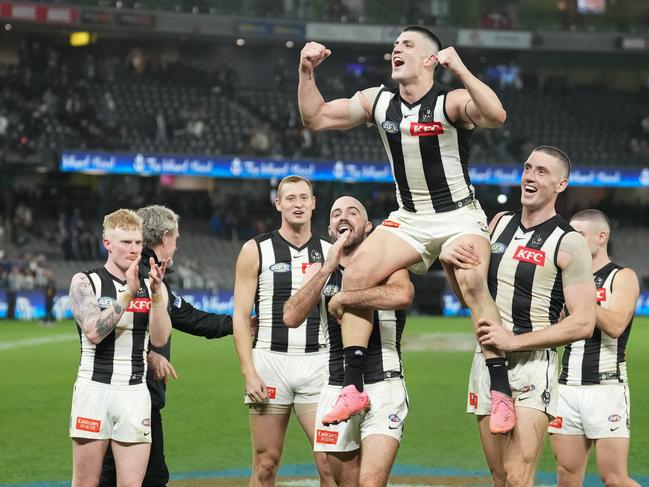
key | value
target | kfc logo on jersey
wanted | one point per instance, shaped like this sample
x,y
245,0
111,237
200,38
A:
x,y
325,437
601,294
425,129
272,392
556,422
532,256
305,266
139,305
87,424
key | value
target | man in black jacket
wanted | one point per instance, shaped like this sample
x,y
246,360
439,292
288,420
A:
x,y
160,233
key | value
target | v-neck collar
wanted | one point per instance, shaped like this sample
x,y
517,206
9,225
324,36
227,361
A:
x,y
293,246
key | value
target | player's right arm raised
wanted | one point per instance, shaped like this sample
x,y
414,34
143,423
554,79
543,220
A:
x,y
245,288
95,323
343,113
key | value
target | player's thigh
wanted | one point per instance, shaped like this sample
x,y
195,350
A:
x,y
87,458
525,443
381,254
493,448
132,410
131,460
268,431
377,457
571,454
612,455
306,415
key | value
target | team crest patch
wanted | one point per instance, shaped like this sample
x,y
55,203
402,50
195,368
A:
x,y
426,115
315,256
537,242
390,127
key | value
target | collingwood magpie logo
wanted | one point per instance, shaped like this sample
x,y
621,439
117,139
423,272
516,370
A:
x,y
316,256
426,115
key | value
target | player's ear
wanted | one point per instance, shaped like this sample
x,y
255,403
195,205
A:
x,y
563,184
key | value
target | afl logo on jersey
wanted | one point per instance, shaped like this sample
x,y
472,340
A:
x,y
390,127
105,302
498,248
281,267
330,289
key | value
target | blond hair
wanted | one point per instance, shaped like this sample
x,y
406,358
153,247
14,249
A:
x,y
123,219
293,179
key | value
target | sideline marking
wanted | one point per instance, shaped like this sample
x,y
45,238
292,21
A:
x,y
30,342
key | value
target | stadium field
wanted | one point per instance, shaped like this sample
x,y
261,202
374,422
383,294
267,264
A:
x,y
207,437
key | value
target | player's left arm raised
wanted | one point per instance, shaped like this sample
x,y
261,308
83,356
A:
x,y
475,106
614,319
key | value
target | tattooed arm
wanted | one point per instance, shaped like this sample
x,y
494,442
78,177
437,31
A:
x,y
95,323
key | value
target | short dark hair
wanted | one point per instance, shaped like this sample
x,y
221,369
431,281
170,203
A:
x,y
426,32
595,216
557,154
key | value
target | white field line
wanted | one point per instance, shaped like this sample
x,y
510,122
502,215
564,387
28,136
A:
x,y
30,342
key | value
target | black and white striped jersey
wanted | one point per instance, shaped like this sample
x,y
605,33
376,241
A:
x,y
383,358
428,154
281,269
524,279
600,359
120,358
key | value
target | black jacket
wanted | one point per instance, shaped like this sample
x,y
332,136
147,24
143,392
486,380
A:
x,y
186,318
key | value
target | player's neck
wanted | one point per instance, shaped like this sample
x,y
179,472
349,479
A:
x,y
115,270
296,235
600,260
416,89
532,217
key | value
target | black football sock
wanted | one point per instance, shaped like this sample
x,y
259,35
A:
x,y
354,361
498,375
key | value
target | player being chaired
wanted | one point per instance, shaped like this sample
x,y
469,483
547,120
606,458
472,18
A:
x,y
425,128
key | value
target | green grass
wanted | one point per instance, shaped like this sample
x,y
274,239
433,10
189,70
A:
x,y
206,424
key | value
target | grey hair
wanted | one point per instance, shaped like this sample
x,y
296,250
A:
x,y
156,220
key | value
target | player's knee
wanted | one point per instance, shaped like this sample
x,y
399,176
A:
x,y
612,479
471,282
266,465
